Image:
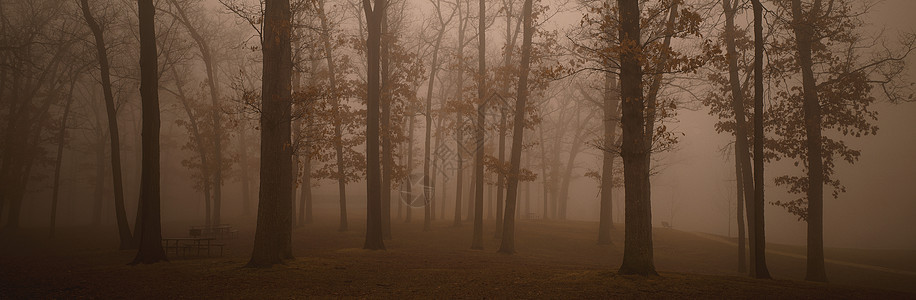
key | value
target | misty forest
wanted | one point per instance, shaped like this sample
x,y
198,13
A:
x,y
457,148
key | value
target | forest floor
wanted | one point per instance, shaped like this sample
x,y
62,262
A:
x,y
554,260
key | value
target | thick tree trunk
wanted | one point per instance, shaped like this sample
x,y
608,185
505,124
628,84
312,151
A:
x,y
508,237
272,233
638,252
477,242
151,229
611,115
805,39
102,56
374,213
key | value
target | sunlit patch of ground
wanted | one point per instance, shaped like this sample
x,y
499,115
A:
x,y
555,259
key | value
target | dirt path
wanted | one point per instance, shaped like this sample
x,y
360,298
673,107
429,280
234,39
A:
x,y
799,256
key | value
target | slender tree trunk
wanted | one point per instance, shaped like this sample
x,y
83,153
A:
x,y
739,183
61,141
508,237
803,27
638,252
243,166
374,191
151,229
427,185
409,179
338,131
611,115
477,242
758,268
102,56
201,146
459,120
274,224
305,194
385,124
545,196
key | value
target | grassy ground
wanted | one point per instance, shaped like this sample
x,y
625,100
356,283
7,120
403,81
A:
x,y
555,260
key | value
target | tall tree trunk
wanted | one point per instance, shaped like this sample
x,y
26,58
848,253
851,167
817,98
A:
x,y
209,65
477,242
274,224
305,194
427,184
409,179
459,119
759,201
102,56
758,268
61,140
611,115
151,229
545,196
508,238
201,145
638,252
338,131
243,166
739,183
374,213
803,27
385,124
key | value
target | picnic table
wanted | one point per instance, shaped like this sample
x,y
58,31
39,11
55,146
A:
x,y
183,246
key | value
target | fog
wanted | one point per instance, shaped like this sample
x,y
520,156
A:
x,y
266,115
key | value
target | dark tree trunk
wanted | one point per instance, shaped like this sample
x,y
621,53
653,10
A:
x,y
151,229
374,213
272,234
611,115
739,198
759,201
804,37
508,237
758,267
102,55
477,242
638,252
